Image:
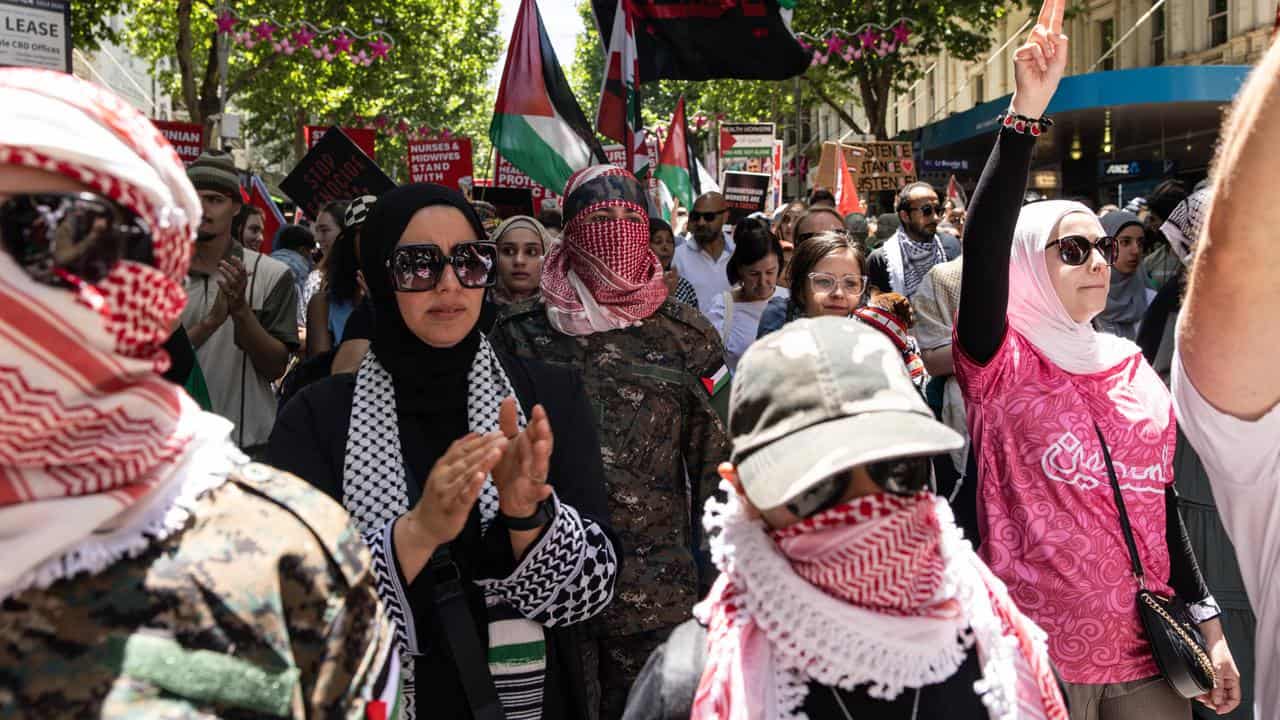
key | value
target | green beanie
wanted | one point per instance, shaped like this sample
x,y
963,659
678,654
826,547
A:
x,y
215,170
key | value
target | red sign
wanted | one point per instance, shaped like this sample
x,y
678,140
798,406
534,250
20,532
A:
x,y
510,176
364,139
443,161
186,138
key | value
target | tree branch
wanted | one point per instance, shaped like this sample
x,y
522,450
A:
x,y
248,76
185,73
824,97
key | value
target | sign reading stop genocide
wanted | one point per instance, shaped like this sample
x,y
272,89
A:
x,y
444,161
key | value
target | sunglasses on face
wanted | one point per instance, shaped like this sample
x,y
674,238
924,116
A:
x,y
69,238
900,476
695,216
418,268
1075,249
927,210
826,283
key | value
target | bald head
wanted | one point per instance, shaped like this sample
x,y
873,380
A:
x,y
706,220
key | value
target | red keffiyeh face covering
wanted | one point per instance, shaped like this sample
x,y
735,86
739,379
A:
x,y
90,435
603,276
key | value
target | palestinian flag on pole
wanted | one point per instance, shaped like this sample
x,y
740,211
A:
x,y
537,124
619,114
272,218
674,166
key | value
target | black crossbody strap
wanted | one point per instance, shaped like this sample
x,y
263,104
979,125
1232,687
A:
x,y
459,631
1124,514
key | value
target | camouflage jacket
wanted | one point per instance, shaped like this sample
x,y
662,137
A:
x,y
655,420
264,606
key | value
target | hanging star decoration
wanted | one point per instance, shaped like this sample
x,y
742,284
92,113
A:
x,y
326,43
871,41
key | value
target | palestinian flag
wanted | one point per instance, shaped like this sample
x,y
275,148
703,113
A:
x,y
674,166
537,124
619,114
955,194
718,386
705,40
846,191
272,218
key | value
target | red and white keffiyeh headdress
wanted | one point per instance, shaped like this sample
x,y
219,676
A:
x,y
881,592
603,276
96,449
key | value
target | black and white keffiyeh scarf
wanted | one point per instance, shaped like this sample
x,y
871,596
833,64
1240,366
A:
x,y
909,261
566,577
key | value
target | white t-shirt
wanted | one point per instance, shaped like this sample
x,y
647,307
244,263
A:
x,y
708,276
743,325
1243,462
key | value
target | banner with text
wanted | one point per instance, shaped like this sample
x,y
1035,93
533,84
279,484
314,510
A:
x,y
885,166
36,33
509,176
749,148
364,139
186,138
745,193
442,161
335,169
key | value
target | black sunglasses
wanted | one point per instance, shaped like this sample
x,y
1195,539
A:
x,y
1075,249
901,476
929,209
418,268
65,239
695,216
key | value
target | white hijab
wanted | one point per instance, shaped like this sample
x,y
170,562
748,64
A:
x,y
1036,311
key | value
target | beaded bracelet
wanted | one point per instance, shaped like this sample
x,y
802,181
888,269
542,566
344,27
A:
x,y
1024,125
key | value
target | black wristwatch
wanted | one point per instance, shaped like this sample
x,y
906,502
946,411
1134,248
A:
x,y
545,513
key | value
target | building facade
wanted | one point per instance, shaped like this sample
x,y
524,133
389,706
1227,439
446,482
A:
x,y
1147,83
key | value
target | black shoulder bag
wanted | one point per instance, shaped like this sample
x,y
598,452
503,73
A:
x,y
1175,638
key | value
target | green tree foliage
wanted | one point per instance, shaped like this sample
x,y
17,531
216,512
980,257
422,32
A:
x,y
962,28
436,74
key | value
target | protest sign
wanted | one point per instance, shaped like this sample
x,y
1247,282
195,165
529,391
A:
x,y
885,166
186,138
509,176
364,139
36,33
750,148
444,161
745,193
853,156
335,169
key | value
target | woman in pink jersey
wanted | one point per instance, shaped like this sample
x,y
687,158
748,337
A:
x,y
1037,379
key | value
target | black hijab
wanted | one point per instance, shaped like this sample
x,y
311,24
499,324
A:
x,y
427,380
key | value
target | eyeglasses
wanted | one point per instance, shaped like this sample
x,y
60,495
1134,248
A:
x,y
903,476
418,268
805,236
929,209
826,283
72,238
695,216
1075,249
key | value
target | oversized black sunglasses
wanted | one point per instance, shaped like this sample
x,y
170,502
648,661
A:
x,y
418,268
1075,249
695,216
927,210
900,476
65,239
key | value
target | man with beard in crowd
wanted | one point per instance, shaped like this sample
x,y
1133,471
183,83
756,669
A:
x,y
242,309
604,311
901,263
704,260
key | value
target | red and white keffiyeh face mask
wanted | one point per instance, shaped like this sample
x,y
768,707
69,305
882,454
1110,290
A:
x,y
88,429
603,276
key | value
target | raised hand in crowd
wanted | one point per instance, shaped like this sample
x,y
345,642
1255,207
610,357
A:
x,y
233,279
521,475
1038,65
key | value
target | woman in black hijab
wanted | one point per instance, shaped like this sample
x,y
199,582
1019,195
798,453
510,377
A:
x,y
488,532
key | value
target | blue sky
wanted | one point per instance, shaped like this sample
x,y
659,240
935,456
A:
x,y
562,22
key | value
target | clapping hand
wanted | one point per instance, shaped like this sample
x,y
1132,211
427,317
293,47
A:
x,y
453,486
1038,65
521,474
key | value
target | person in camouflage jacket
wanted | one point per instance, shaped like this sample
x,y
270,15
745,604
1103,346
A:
x,y
148,571
642,358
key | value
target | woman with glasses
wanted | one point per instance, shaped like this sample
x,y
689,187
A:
x,y
753,277
827,277
475,477
1051,404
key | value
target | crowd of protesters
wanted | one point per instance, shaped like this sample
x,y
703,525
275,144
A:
x,y
413,459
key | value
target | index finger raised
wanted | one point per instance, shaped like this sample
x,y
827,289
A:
x,y
1056,15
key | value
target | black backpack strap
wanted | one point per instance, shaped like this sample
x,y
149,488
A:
x,y
464,644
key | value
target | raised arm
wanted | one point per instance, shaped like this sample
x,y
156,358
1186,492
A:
x,y
993,213
1228,355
